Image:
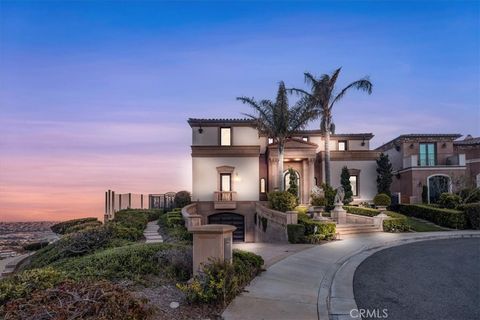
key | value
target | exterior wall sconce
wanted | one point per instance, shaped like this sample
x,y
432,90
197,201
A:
x,y
398,176
237,177
397,147
200,130
411,146
444,145
363,142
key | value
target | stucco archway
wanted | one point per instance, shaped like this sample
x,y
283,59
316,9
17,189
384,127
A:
x,y
438,184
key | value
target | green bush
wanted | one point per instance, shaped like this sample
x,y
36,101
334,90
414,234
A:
x,y
328,229
301,209
315,238
34,246
78,300
329,196
129,218
173,225
71,245
472,212
295,233
220,281
62,226
449,200
182,199
397,223
443,217
120,231
369,212
470,195
318,201
382,199
82,226
21,284
127,262
282,201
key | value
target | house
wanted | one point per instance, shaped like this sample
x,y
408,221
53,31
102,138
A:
x,y
470,146
233,167
426,165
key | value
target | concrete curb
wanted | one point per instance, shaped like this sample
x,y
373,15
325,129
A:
x,y
336,298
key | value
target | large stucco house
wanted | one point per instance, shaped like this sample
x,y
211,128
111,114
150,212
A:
x,y
233,167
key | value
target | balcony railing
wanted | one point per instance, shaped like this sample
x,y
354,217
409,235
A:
x,y
225,199
454,160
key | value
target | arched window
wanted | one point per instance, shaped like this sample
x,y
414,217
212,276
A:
x,y
438,184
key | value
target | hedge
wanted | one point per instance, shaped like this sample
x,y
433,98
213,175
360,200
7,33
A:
x,y
62,226
397,222
324,230
472,212
443,217
382,199
296,233
369,212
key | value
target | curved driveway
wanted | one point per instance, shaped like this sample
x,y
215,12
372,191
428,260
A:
x,y
317,283
438,279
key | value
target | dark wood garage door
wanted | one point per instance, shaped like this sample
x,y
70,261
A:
x,y
232,219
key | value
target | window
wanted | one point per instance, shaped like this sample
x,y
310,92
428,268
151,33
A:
x,y
225,182
225,136
262,185
427,154
342,145
270,140
316,181
305,138
354,184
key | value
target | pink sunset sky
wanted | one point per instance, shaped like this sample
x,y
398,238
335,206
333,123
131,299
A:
x,y
96,95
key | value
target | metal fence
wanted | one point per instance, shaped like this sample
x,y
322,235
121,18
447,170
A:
x,y
120,201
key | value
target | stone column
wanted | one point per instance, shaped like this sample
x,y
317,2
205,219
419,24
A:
x,y
211,241
273,174
311,176
305,178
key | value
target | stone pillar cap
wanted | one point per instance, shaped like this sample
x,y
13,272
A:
x,y
212,228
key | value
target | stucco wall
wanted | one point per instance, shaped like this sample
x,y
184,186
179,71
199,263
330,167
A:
x,y
205,177
209,136
396,158
368,176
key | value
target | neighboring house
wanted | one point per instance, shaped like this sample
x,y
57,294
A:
x,y
471,148
426,162
233,167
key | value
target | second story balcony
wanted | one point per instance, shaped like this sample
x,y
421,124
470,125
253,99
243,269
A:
x,y
225,200
414,161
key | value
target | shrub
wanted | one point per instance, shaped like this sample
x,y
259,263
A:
x,y
444,217
369,212
295,233
470,195
472,212
449,200
424,194
382,199
71,245
397,223
347,187
21,284
282,201
84,300
120,231
62,226
318,201
127,262
301,209
137,219
293,184
327,229
177,262
82,226
182,199
315,238
173,226
329,196
220,282
34,246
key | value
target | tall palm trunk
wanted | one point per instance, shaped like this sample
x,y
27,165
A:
x,y
327,155
281,156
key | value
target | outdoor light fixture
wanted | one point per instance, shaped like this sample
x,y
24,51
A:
x,y
411,146
200,130
444,145
363,141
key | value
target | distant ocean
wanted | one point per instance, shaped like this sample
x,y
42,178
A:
x,y
13,235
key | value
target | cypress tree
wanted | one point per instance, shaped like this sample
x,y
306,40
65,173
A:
x,y
347,187
384,174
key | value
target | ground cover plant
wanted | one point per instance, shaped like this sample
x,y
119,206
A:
x,y
310,231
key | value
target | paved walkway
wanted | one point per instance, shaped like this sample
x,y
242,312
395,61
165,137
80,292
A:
x,y
317,283
272,252
151,233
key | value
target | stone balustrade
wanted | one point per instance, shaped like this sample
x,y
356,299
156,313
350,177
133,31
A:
x,y
271,225
192,219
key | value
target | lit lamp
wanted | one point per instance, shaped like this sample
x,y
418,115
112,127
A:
x,y
237,177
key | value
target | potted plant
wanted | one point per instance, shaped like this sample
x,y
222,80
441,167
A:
x,y
382,201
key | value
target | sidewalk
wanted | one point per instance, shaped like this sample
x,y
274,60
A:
x,y
299,286
151,233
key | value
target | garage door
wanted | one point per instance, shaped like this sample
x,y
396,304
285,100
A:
x,y
232,219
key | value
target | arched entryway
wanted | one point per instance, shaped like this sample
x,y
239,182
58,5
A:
x,y
233,219
438,184
286,181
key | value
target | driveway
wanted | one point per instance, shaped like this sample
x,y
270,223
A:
x,y
438,279
317,283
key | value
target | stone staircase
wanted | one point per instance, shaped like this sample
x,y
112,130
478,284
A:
x,y
151,233
354,228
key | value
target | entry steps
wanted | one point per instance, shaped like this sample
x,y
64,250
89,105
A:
x,y
351,228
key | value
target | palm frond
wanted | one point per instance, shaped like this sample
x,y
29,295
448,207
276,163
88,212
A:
x,y
362,84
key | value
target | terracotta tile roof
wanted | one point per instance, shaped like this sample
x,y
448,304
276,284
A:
x,y
467,141
451,136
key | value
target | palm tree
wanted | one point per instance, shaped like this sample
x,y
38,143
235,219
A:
x,y
279,121
323,96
